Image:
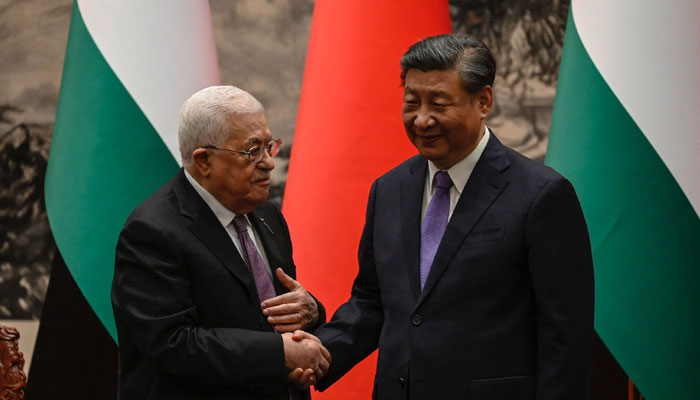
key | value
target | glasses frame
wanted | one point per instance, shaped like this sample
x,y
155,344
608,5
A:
x,y
272,148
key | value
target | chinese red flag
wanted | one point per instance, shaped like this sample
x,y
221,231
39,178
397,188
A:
x,y
348,133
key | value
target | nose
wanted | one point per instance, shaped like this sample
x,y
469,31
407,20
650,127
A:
x,y
424,119
266,162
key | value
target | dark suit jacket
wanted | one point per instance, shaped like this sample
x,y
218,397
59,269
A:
x,y
507,309
188,315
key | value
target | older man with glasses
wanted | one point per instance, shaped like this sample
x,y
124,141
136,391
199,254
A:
x,y
204,291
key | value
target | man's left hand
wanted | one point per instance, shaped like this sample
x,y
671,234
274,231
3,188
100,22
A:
x,y
291,311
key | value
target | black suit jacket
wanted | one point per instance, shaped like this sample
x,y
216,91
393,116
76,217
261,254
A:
x,y
507,309
188,315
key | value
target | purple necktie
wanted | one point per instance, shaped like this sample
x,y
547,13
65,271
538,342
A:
x,y
258,270
256,266
434,223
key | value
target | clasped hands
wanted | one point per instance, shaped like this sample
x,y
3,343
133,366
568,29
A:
x,y
305,357
289,313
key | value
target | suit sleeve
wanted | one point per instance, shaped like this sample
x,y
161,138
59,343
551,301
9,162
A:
x,y
321,315
152,302
353,332
561,268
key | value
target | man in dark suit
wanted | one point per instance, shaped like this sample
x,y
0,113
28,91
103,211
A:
x,y
195,261
475,273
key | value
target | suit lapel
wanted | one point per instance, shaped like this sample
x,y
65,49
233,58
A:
x,y
410,207
483,187
209,231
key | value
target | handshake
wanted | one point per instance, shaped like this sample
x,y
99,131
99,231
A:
x,y
305,357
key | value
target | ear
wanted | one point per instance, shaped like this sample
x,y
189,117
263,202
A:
x,y
485,99
201,161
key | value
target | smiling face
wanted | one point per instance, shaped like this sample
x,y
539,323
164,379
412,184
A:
x,y
237,183
442,120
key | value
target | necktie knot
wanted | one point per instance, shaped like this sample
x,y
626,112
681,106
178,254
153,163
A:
x,y
239,224
442,180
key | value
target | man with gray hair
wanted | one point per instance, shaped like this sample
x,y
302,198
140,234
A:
x,y
204,291
475,278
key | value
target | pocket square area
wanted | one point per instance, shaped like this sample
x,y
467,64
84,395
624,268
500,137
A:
x,y
484,236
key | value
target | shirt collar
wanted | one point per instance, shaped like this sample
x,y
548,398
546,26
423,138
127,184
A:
x,y
223,214
460,172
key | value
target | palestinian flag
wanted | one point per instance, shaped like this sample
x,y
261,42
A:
x,y
129,66
625,132
348,133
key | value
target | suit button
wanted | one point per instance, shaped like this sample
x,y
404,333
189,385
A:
x,y
416,320
402,381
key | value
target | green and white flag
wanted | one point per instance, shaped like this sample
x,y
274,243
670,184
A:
x,y
129,67
625,131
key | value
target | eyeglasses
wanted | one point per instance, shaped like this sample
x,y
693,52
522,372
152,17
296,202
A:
x,y
255,153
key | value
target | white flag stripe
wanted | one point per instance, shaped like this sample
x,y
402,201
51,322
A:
x,y
648,52
162,52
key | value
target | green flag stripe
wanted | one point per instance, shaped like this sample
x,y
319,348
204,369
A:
x,y
105,159
644,232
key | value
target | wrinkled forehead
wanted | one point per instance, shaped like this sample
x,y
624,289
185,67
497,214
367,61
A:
x,y
249,129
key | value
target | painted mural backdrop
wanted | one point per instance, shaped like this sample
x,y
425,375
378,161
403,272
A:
x,y
261,47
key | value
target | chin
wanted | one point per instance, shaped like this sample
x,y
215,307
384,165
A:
x,y
259,198
431,154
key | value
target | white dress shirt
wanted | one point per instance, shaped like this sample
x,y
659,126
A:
x,y
459,173
225,217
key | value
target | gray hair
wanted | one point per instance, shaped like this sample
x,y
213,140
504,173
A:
x,y
205,117
472,58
